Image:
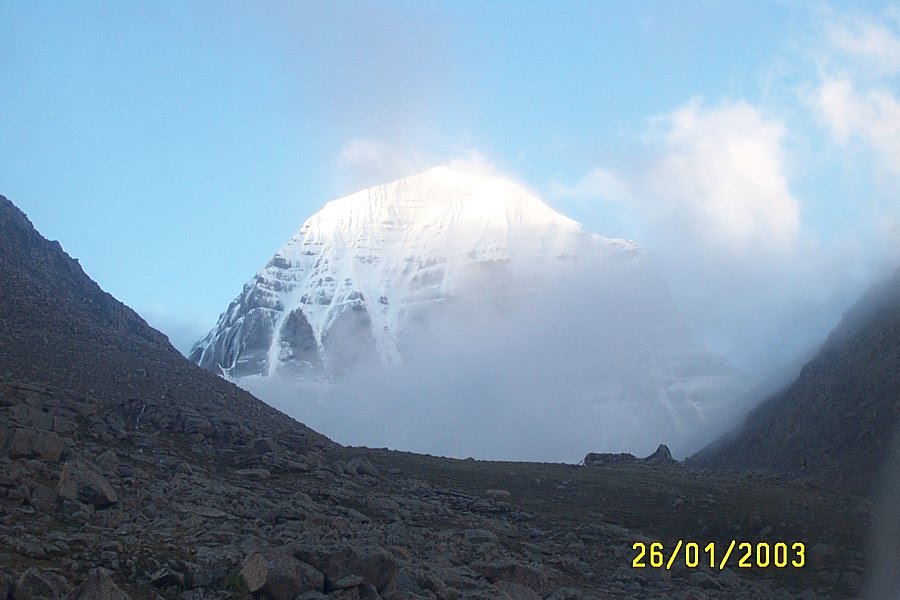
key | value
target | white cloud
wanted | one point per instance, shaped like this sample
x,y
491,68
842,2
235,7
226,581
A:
x,y
364,162
712,196
183,332
839,107
363,152
855,96
757,273
720,179
871,116
716,181
599,183
474,162
873,46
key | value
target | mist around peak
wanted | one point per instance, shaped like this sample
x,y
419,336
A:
x,y
579,365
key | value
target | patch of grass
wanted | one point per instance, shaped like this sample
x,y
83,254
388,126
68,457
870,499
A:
x,y
236,585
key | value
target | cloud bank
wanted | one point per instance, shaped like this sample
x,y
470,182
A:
x,y
589,363
761,259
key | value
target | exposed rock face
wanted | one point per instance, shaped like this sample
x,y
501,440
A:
x,y
835,423
662,455
299,353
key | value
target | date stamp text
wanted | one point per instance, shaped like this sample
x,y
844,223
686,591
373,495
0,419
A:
x,y
739,554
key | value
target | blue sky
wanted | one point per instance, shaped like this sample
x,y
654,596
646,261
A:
x,y
754,148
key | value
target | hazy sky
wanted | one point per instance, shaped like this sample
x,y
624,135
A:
x,y
753,148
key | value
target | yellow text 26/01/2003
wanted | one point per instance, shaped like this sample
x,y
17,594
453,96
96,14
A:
x,y
743,555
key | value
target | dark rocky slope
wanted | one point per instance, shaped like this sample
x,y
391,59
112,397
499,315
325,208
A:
x,y
835,423
127,472
60,328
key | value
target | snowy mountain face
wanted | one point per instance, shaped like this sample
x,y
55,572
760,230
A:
x,y
346,284
466,278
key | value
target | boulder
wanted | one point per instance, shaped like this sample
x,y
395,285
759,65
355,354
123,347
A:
x,y
280,577
374,564
28,416
79,481
515,591
98,586
606,458
108,462
368,592
36,585
350,593
265,445
350,581
507,569
28,443
362,466
42,497
61,425
166,577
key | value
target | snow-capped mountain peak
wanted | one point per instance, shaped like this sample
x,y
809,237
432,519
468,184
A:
x,y
369,261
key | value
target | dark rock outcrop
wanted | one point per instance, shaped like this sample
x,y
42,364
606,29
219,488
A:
x,y
660,456
608,458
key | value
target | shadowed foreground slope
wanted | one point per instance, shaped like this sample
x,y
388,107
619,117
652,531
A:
x,y
127,472
60,328
835,423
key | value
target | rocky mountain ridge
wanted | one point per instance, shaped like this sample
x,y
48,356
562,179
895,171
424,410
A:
x,y
844,403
